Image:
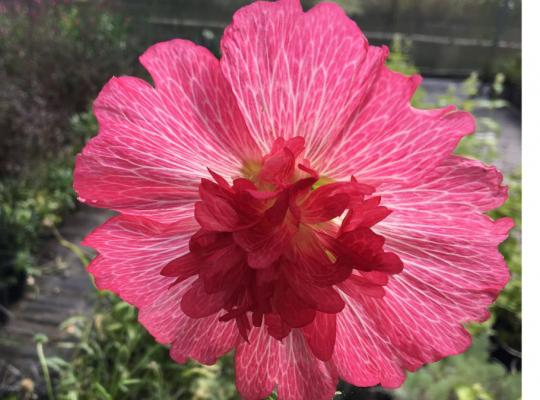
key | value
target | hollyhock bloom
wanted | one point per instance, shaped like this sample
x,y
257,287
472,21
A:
x,y
288,203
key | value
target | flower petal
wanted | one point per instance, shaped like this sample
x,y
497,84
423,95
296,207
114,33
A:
x,y
166,321
132,253
266,362
390,141
296,73
197,303
291,308
363,355
321,335
219,338
437,228
457,184
154,144
452,272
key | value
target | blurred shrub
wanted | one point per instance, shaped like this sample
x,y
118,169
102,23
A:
x,y
511,68
33,202
482,144
510,298
115,358
53,61
507,309
469,376
399,60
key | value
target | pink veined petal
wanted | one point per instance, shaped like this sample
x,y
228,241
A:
x,y
189,74
204,340
458,264
266,362
166,321
296,73
133,251
402,331
389,141
452,271
363,356
437,228
154,144
457,184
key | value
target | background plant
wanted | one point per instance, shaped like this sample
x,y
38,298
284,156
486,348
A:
x,y
115,358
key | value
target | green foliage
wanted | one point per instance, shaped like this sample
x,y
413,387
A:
x,y
399,59
469,376
510,298
511,68
30,204
38,200
115,358
507,308
351,7
483,144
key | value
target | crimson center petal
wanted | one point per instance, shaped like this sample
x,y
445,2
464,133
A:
x,y
276,249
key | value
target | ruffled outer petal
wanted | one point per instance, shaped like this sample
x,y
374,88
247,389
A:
x,y
363,355
132,252
445,234
266,362
202,339
154,144
457,184
389,141
452,272
296,73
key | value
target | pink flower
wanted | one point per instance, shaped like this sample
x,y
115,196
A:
x,y
287,202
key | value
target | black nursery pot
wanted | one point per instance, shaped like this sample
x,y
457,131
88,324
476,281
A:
x,y
349,392
12,285
506,343
512,93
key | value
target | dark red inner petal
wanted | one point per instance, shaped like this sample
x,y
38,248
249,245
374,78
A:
x,y
272,251
321,335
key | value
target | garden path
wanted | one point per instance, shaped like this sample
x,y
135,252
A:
x,y
62,291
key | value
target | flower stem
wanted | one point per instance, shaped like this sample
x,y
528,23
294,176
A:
x,y
40,339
